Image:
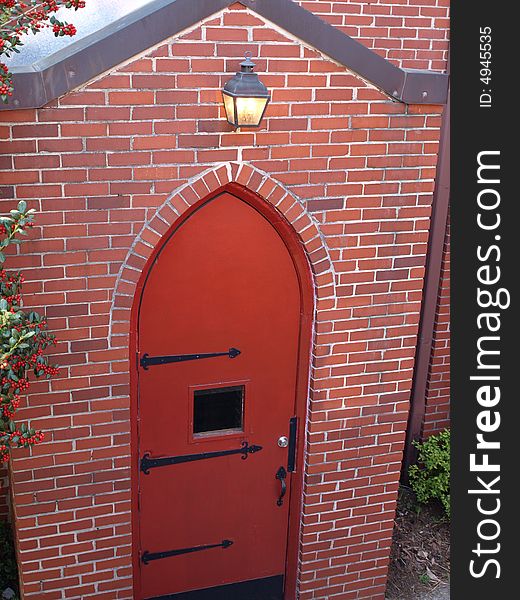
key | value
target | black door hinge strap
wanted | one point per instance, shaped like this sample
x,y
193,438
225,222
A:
x,y
148,463
146,556
148,361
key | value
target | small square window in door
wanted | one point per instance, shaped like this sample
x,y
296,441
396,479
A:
x,y
218,410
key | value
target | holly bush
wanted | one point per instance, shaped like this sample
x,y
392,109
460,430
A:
x,y
23,340
18,18
430,477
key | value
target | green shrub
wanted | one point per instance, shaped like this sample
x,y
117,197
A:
x,y
8,568
430,477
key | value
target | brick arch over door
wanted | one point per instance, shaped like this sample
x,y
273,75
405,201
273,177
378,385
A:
x,y
301,234
209,182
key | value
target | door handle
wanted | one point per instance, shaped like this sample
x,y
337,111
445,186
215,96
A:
x,y
281,474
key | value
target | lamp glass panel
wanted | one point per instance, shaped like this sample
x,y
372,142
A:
x,y
230,108
250,110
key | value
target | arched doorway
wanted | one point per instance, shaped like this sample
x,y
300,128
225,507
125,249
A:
x,y
223,328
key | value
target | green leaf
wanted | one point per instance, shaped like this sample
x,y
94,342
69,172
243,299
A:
x,y
3,304
2,257
430,477
22,206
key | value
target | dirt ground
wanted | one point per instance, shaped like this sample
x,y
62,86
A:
x,y
420,558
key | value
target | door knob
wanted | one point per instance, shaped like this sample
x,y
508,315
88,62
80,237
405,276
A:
x,y
283,441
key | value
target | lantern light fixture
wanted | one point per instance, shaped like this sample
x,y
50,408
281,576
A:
x,y
245,96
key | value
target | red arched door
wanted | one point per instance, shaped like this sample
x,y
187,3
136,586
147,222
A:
x,y
218,346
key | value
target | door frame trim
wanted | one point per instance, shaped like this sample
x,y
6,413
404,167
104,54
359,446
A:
x,y
295,248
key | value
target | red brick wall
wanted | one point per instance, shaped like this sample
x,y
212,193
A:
x,y
437,410
111,166
411,33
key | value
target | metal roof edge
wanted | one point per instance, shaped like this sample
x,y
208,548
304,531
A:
x,y
91,56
